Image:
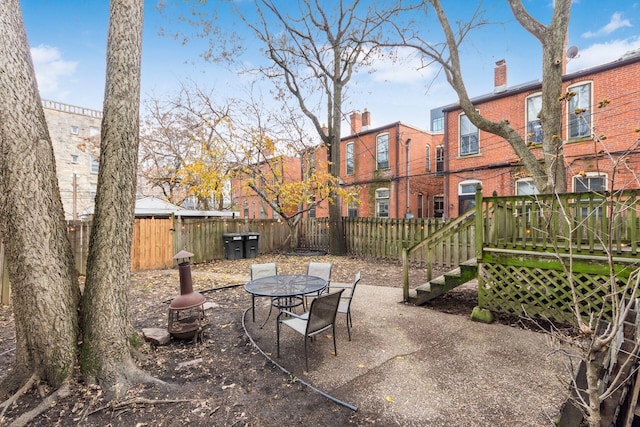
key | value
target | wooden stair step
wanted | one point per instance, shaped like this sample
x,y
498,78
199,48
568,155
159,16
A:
x,y
444,283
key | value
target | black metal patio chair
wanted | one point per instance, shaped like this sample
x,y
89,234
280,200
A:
x,y
345,302
320,317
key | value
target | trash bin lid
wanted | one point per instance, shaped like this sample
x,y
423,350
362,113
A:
x,y
232,236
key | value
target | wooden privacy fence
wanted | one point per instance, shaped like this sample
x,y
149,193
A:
x,y
151,246
157,240
204,237
385,238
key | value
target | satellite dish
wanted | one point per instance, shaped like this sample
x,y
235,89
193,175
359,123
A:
x,y
572,52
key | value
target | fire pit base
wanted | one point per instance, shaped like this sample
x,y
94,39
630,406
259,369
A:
x,y
186,324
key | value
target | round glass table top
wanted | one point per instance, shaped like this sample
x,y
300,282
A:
x,y
284,285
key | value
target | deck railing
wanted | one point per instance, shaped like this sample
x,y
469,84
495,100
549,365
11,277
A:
x,y
590,223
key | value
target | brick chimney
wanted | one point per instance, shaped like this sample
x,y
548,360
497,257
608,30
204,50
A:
x,y
356,122
366,119
500,77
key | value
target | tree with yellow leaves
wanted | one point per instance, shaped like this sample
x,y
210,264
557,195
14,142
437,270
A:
x,y
183,150
288,173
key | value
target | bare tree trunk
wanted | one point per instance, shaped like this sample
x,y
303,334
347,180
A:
x,y
45,292
552,38
337,242
594,375
106,350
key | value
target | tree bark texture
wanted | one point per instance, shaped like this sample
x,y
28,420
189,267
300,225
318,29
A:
x,y
337,241
106,351
552,38
45,292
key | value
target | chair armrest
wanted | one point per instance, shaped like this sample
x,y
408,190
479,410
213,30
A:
x,y
298,316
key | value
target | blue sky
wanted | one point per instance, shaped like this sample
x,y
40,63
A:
x,y
68,41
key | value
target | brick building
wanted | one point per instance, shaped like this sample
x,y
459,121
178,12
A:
x,y
251,205
395,167
75,135
609,96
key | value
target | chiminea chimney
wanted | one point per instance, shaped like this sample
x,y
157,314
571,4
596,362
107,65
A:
x,y
500,77
356,122
366,119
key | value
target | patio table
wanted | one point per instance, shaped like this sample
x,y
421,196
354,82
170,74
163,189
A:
x,y
285,290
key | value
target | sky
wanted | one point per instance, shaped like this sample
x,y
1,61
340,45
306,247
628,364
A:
x,y
68,45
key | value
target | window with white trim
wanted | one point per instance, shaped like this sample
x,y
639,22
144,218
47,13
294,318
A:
x,y
438,206
382,203
591,181
352,210
382,151
526,187
469,139
74,130
349,158
467,195
427,156
534,124
439,159
579,110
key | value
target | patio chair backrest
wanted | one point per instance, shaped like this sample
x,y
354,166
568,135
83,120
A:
x,y
349,295
322,312
320,269
263,270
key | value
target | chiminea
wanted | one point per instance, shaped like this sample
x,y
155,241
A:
x,y
186,311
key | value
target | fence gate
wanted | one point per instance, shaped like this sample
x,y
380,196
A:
x,y
152,245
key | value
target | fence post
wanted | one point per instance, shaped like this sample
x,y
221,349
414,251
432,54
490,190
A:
x,y
479,225
405,274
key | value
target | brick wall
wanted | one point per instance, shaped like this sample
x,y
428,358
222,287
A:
x,y
367,178
618,83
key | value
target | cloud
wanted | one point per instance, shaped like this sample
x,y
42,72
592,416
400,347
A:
x,y
51,69
601,53
406,68
614,24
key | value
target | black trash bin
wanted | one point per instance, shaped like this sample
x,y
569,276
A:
x,y
251,244
233,246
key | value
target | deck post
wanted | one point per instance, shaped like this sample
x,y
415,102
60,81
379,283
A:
x,y
479,223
